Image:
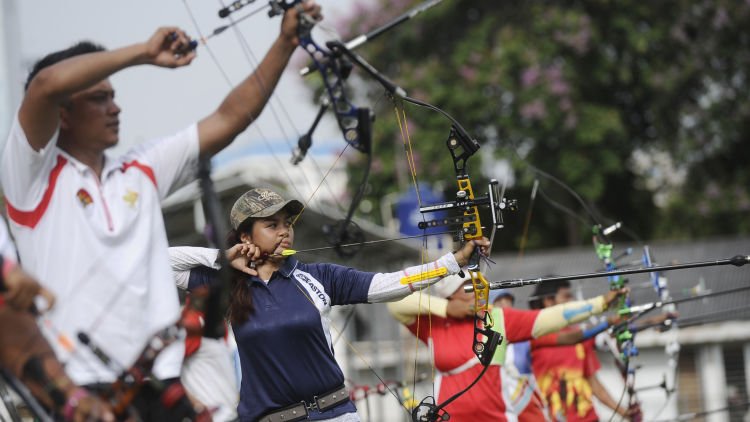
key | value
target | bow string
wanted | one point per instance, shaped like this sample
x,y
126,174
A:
x,y
672,347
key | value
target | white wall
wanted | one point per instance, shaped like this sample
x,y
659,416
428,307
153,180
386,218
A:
x,y
652,367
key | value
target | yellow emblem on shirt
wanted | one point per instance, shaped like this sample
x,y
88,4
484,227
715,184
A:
x,y
131,198
580,352
84,197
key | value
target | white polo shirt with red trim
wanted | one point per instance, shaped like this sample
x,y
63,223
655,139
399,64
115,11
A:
x,y
99,246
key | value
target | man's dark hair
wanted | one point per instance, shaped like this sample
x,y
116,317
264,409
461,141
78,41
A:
x,y
546,289
82,47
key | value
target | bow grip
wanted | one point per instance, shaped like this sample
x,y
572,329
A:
x,y
474,259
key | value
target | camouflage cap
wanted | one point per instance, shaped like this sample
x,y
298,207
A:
x,y
261,202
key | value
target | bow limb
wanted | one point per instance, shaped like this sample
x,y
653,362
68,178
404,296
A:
x,y
354,122
282,118
672,347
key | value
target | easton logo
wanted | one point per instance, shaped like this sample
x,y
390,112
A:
x,y
315,290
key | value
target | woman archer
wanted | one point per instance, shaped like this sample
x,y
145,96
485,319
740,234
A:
x,y
279,309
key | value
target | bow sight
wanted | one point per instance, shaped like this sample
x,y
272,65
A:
x,y
462,147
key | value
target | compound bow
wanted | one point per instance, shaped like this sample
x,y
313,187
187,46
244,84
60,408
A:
x,y
623,336
485,339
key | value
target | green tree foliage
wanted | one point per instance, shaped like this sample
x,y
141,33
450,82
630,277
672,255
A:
x,y
640,107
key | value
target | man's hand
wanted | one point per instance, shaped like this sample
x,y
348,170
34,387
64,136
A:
x,y
307,9
630,413
460,307
169,47
92,408
614,319
462,255
22,289
661,322
613,295
661,318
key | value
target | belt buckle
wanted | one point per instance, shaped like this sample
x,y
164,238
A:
x,y
311,406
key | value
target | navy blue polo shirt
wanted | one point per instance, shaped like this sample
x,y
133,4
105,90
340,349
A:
x,y
285,346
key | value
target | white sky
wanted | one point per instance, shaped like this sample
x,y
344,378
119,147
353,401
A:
x,y
158,101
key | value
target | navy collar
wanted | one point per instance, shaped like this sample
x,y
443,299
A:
x,y
288,267
286,270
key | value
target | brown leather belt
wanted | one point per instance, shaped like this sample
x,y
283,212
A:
x,y
299,411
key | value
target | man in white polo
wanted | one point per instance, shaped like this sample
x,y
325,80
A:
x,y
89,226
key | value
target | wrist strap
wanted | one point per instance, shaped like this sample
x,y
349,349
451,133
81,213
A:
x,y
596,329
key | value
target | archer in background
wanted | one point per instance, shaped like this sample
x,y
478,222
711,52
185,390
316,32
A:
x,y
279,309
209,371
565,363
89,226
566,372
519,388
26,355
449,313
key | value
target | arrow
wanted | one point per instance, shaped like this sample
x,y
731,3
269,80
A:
x,y
737,261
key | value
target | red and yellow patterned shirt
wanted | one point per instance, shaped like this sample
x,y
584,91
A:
x,y
562,373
